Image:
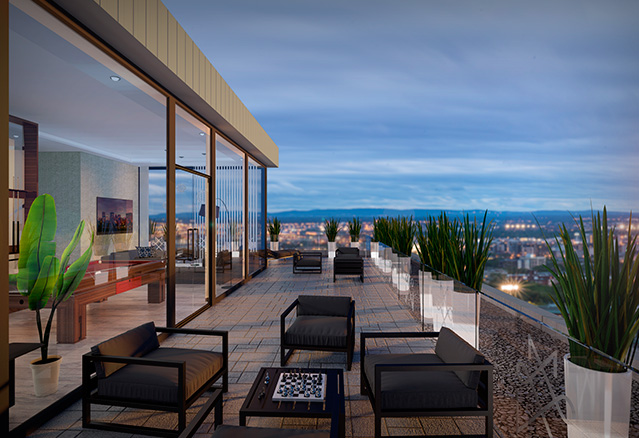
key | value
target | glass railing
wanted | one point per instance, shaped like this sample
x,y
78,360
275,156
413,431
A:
x,y
538,391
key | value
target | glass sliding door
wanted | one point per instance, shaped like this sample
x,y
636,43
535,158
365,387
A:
x,y
229,215
192,181
89,132
256,216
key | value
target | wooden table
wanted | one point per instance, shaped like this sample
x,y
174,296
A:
x,y
333,407
102,280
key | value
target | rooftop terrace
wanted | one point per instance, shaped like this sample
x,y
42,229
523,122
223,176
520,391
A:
x,y
527,358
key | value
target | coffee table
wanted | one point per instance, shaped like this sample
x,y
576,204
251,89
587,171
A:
x,y
263,406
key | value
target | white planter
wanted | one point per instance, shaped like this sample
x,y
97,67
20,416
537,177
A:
x,y
275,246
394,258
332,246
598,403
388,262
465,302
375,250
403,274
426,296
45,376
362,249
442,311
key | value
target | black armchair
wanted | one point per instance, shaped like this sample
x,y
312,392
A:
x,y
323,323
307,262
456,380
347,261
132,370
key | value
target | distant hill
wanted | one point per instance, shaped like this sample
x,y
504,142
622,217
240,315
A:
x,y
367,214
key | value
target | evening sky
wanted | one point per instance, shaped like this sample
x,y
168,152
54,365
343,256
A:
x,y
500,105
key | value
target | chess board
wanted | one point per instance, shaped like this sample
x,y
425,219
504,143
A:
x,y
296,386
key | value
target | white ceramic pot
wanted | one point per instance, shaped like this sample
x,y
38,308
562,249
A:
x,y
275,246
442,311
465,302
332,246
375,250
403,273
388,262
45,376
394,267
598,403
425,296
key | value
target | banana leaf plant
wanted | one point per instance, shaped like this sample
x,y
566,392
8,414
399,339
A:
x,y
42,277
599,296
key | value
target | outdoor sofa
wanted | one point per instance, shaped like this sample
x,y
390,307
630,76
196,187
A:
x,y
132,370
455,380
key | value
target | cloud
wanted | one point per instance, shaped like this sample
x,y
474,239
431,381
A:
x,y
457,104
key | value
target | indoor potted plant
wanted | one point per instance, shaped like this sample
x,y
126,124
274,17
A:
x,y
274,228
331,228
45,279
354,229
599,301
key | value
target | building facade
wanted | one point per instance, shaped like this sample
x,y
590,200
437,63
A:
x,y
114,111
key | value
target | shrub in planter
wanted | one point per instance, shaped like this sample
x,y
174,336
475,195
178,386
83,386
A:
x,y
331,228
599,301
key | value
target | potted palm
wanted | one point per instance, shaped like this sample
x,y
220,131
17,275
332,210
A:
x,y
274,228
331,228
46,280
354,229
599,301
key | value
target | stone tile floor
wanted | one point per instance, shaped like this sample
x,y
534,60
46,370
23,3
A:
x,y
251,315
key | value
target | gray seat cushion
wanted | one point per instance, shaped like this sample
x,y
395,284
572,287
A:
x,y
420,389
225,431
136,342
323,305
346,251
308,262
318,331
160,384
452,349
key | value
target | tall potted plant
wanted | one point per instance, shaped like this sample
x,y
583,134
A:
x,y
439,241
599,301
274,228
45,279
331,228
354,229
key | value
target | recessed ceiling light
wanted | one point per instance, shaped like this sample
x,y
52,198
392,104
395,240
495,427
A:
x,y
16,136
115,78
181,156
203,153
202,134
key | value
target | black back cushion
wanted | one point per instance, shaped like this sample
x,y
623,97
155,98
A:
x,y
452,349
135,343
323,306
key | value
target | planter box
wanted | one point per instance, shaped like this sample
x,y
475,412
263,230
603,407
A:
x,y
375,250
442,310
403,274
598,403
332,246
465,303
275,246
426,296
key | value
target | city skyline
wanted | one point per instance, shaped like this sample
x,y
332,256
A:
x,y
457,105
